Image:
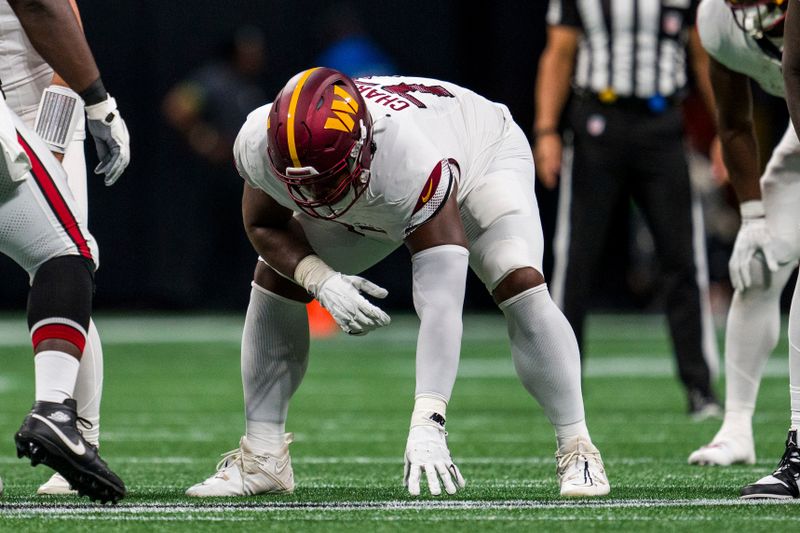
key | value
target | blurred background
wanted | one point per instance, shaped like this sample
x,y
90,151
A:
x,y
185,75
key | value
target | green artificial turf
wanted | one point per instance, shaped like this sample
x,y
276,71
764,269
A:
x,y
173,404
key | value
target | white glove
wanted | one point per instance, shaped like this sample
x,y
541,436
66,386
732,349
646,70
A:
x,y
341,296
427,450
753,239
111,139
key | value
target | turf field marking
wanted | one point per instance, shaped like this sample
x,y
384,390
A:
x,y
19,509
364,460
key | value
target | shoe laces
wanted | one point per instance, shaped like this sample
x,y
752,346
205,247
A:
x,y
85,424
790,459
577,455
231,457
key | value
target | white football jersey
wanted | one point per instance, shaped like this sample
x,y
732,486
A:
x,y
23,73
428,134
729,45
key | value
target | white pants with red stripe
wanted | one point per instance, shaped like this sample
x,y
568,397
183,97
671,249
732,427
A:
x,y
39,217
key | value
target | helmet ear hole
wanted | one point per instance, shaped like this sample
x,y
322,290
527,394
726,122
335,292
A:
x,y
319,103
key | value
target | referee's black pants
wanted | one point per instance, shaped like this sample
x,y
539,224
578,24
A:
x,y
622,152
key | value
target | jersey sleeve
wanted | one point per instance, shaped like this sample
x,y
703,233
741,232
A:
x,y
564,13
246,148
434,193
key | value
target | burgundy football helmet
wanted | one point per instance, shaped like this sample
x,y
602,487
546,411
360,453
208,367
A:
x,y
319,141
759,17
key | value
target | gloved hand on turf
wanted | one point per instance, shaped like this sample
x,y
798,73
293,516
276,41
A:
x,y
111,139
426,450
341,296
753,240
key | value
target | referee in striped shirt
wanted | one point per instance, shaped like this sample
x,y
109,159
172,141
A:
x,y
617,69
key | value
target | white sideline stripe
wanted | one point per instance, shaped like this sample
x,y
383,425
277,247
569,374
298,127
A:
x,y
20,509
228,328
364,460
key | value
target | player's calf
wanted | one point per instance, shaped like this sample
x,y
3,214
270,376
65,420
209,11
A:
x,y
59,306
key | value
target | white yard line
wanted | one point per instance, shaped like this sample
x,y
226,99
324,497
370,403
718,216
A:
x,y
39,509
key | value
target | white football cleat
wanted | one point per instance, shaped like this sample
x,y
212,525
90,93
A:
x,y
243,473
580,470
56,486
725,451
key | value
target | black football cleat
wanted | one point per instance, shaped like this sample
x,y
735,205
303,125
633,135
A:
x,y
782,483
50,435
703,405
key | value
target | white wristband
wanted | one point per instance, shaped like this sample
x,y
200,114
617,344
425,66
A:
x,y
101,110
752,209
429,410
60,110
311,272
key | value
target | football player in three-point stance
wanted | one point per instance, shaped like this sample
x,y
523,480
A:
x,y
339,173
45,234
31,88
744,39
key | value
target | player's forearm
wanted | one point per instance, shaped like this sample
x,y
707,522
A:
x,y
58,80
282,249
55,32
740,153
439,275
791,62
700,67
552,90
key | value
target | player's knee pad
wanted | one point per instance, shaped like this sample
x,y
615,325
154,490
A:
x,y
511,243
60,300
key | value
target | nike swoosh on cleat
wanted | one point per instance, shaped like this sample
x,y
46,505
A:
x,y
280,467
77,449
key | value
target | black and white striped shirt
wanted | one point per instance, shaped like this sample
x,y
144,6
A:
x,y
632,48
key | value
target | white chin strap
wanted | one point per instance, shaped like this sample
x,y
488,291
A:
x,y
755,20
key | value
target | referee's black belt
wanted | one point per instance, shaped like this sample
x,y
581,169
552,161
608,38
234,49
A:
x,y
655,104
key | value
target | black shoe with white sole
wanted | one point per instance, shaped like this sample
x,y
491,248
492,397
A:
x,y
50,435
783,483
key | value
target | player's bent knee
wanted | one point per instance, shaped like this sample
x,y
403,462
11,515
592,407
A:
x,y
266,278
518,281
60,304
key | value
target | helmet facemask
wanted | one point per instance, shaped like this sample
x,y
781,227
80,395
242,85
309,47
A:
x,y
331,193
759,18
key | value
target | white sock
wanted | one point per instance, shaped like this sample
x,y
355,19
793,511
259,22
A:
x,y
547,360
567,433
736,424
751,335
89,385
56,373
275,345
794,358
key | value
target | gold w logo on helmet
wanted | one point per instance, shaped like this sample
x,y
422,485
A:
x,y
344,110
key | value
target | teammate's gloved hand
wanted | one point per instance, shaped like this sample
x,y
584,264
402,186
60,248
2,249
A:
x,y
753,238
341,296
111,139
427,450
